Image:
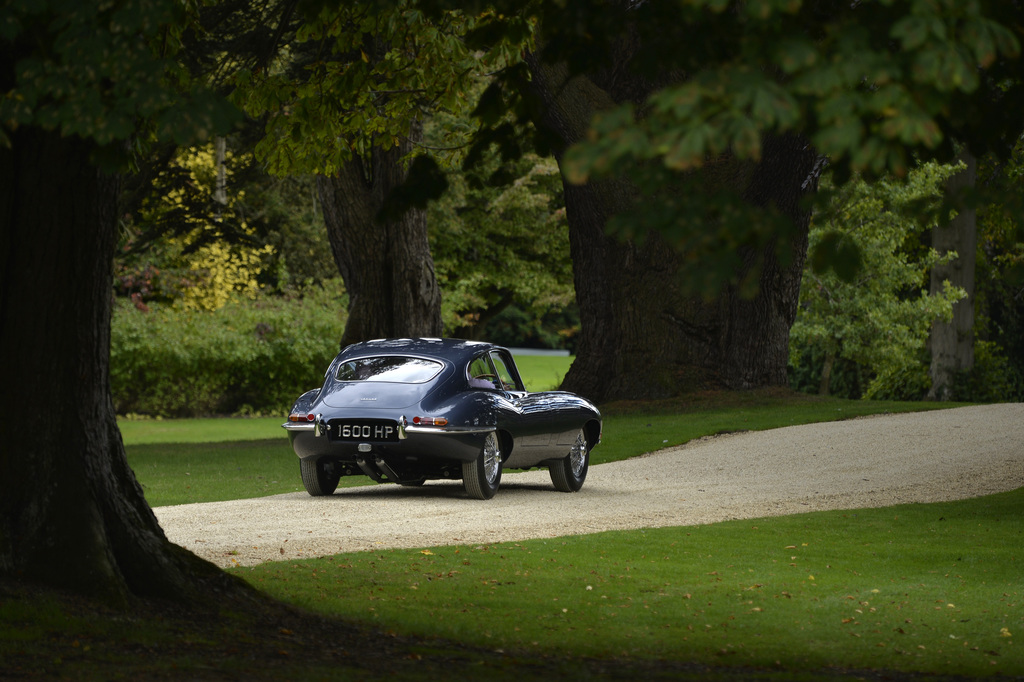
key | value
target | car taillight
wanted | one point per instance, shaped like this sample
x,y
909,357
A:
x,y
430,421
295,417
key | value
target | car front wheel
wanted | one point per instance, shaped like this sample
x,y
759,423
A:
x,y
569,472
317,479
482,476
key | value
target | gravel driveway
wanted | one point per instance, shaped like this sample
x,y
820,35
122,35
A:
x,y
869,462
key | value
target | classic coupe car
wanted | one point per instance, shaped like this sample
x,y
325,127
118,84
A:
x,y
408,410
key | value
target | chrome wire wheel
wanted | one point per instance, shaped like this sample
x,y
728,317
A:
x,y
482,476
491,458
569,472
578,455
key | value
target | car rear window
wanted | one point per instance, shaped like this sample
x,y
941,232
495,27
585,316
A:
x,y
402,370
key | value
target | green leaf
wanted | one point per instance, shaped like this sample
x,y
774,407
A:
x,y
690,148
843,137
795,55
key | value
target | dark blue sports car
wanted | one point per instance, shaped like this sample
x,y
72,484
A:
x,y
408,410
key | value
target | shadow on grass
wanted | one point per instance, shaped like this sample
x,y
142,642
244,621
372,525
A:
x,y
47,635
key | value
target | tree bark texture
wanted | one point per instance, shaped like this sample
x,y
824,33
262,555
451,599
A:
x,y
952,343
71,512
642,336
386,264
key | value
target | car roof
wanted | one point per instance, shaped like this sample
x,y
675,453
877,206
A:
x,y
453,350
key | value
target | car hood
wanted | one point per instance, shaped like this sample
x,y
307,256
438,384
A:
x,y
375,395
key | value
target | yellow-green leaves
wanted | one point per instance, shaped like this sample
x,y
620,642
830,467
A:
x,y
216,270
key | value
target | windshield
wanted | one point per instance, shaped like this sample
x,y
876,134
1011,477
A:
x,y
402,370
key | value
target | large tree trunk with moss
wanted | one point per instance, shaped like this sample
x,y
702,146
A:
x,y
385,261
642,334
71,512
952,343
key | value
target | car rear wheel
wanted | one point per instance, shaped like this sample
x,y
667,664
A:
x,y
569,472
317,479
482,476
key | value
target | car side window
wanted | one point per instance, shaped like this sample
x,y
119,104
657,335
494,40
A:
x,y
481,375
508,380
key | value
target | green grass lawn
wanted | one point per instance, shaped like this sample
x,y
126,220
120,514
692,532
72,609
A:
x,y
183,473
927,587
212,430
542,372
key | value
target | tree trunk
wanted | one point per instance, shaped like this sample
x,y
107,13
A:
x,y
642,336
71,512
386,264
220,192
952,343
826,374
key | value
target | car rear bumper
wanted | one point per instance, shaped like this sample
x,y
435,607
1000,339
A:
x,y
416,443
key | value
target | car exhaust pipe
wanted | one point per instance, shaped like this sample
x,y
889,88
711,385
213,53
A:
x,y
369,469
386,469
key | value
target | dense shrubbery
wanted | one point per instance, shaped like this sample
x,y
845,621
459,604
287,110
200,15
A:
x,y
248,357
994,377
867,338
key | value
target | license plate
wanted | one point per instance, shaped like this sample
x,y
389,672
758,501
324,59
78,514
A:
x,y
372,430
